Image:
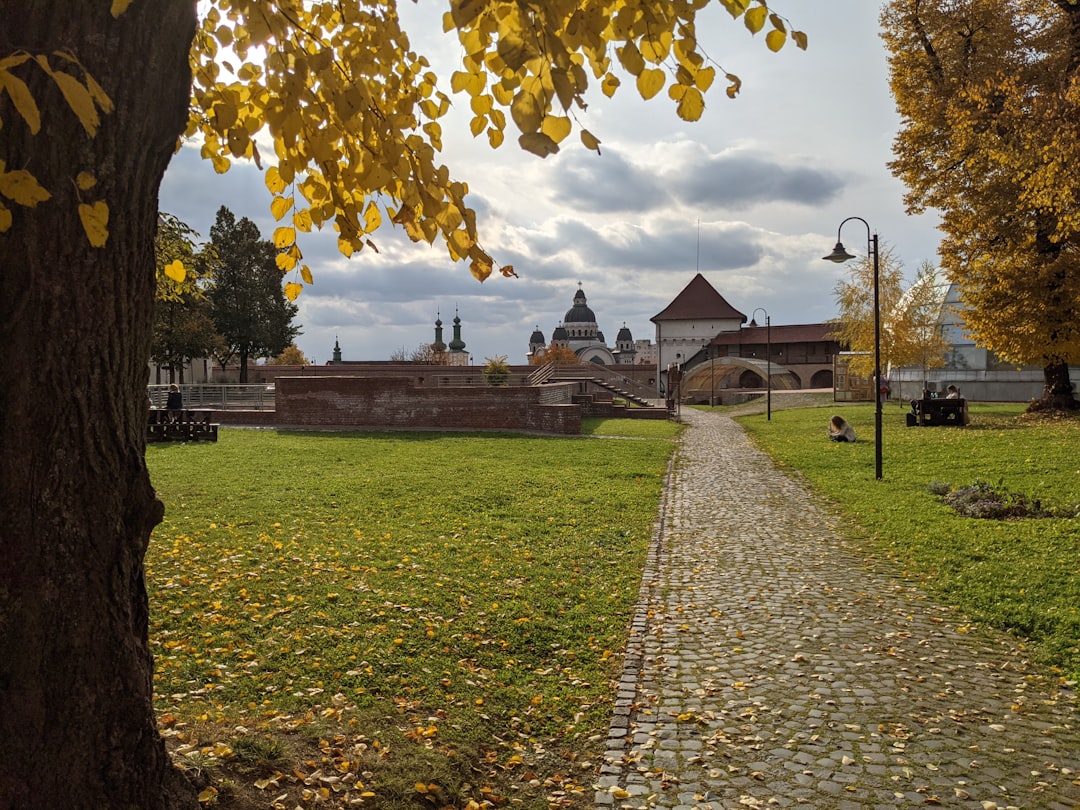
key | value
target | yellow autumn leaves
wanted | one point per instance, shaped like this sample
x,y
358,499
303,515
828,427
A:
x,y
85,98
353,113
536,62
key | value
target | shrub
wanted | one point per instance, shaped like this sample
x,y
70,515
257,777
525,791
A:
x,y
497,371
939,488
982,500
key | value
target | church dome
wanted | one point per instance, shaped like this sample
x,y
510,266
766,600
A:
x,y
579,312
537,337
560,333
624,335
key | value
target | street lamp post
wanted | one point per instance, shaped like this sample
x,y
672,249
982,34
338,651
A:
x,y
768,360
712,379
839,255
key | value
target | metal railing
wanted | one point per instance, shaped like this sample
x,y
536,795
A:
x,y
219,397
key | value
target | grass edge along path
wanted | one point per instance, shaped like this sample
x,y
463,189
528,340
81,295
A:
x,y
1021,576
397,620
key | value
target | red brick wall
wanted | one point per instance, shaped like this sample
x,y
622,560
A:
x,y
400,403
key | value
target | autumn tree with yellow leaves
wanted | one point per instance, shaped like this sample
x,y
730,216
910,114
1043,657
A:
x,y
94,97
556,354
853,326
989,93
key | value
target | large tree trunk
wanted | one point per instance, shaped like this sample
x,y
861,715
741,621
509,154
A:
x,y
77,726
1058,394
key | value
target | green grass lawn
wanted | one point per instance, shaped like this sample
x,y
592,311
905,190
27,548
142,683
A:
x,y
434,620
409,619
1020,575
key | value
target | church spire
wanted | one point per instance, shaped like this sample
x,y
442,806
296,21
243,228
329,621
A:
x,y
457,344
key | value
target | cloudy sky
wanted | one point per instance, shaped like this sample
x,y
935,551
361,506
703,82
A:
x,y
750,196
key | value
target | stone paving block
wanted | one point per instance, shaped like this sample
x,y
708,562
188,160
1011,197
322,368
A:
x,y
826,673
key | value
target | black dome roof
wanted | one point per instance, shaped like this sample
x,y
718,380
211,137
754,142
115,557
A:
x,y
579,312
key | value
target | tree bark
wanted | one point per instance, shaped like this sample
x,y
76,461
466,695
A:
x,y
77,725
1058,393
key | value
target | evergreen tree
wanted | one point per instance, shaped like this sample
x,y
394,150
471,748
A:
x,y
247,303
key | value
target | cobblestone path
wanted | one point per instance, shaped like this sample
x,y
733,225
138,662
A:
x,y
770,665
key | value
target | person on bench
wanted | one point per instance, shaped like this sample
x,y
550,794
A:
x,y
174,404
952,392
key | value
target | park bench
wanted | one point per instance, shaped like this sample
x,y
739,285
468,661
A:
x,y
188,426
937,413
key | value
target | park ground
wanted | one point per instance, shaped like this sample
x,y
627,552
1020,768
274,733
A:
x,y
419,620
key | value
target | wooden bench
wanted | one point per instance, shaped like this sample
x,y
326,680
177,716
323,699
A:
x,y
188,426
937,413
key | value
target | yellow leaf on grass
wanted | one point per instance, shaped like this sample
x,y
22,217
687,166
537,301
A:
x,y
22,187
292,290
176,271
95,221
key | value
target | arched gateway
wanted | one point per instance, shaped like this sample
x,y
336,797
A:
x,y
706,380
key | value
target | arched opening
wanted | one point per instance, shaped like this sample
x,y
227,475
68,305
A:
x,y
748,379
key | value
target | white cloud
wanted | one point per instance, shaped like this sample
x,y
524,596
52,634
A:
x,y
750,196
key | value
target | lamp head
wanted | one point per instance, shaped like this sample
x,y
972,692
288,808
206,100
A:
x,y
752,324
838,255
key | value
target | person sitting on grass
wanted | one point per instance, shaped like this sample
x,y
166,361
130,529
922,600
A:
x,y
840,430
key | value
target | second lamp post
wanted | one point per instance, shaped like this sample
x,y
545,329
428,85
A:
x,y
838,255
768,359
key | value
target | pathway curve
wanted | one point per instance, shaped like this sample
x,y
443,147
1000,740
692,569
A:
x,y
772,665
